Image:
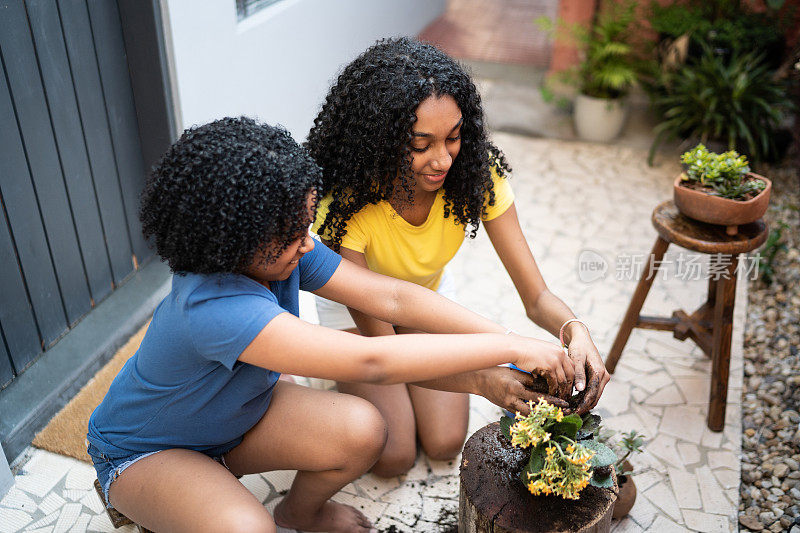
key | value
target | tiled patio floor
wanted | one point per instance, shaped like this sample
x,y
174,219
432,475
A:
x,y
570,197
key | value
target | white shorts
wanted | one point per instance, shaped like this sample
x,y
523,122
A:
x,y
336,316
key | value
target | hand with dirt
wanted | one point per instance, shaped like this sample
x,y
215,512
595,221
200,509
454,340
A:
x,y
591,375
512,389
548,361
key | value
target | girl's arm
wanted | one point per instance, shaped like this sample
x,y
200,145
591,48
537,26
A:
x,y
543,307
398,302
505,387
368,326
288,344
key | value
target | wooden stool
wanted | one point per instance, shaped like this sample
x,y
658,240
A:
x,y
711,324
117,519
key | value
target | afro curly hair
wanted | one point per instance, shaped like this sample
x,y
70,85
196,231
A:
x,y
362,135
225,191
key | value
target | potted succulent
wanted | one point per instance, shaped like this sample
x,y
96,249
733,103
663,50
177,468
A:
x,y
720,189
605,74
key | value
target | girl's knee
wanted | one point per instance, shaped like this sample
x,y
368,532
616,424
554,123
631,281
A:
x,y
365,428
443,446
394,463
248,519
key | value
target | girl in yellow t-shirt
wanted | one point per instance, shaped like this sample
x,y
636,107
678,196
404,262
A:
x,y
408,171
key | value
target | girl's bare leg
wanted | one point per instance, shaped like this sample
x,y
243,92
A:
x,y
438,418
441,417
395,406
184,490
330,438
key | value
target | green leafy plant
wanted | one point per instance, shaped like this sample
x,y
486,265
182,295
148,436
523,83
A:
x,y
565,454
631,443
608,65
725,174
674,20
550,97
741,32
735,100
766,259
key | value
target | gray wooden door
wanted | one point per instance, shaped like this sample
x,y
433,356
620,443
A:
x,y
71,170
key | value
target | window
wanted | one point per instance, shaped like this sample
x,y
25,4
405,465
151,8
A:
x,y
245,8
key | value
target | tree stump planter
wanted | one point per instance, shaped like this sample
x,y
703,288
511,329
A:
x,y
493,499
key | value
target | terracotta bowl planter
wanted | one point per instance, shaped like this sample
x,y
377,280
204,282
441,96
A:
x,y
721,211
627,494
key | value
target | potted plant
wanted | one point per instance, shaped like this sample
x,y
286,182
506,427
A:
x,y
565,454
720,189
606,72
544,471
630,443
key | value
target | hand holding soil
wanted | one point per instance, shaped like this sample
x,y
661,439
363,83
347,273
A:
x,y
587,367
512,389
589,370
548,361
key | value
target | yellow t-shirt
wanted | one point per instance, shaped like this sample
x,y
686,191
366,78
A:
x,y
395,248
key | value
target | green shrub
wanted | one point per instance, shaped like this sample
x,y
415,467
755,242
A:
x,y
674,20
740,33
735,100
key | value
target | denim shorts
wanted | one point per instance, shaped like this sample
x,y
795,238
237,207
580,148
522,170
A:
x,y
109,469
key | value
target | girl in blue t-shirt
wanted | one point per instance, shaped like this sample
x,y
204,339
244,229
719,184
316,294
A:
x,y
228,208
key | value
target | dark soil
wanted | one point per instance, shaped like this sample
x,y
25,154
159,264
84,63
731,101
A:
x,y
447,522
540,385
695,186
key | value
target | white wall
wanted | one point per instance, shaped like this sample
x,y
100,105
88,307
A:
x,y
278,64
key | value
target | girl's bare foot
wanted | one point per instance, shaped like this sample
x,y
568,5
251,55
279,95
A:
x,y
333,517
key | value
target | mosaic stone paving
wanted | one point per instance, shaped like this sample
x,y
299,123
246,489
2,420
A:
x,y
571,197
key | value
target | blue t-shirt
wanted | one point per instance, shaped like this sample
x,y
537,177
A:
x,y
185,387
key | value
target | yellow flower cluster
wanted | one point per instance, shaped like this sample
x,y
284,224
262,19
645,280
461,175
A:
x,y
563,474
529,430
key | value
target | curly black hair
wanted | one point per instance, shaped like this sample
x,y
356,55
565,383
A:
x,y
225,191
362,135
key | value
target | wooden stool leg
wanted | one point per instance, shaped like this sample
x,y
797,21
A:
x,y
712,292
721,347
639,295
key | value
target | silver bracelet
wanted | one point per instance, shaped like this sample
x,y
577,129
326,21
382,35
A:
x,y
565,324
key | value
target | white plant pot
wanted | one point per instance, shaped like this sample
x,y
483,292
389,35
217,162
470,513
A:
x,y
599,119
